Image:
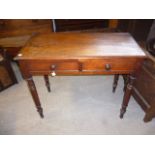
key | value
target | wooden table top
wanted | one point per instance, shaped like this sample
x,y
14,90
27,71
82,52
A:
x,y
17,41
83,45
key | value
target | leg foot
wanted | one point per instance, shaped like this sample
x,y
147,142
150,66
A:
x,y
122,112
40,111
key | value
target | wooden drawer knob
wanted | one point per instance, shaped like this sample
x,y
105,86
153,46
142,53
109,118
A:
x,y
53,67
53,73
107,67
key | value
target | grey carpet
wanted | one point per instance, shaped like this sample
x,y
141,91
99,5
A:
x,y
76,105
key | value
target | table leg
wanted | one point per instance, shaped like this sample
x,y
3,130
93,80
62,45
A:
x,y
127,95
116,77
35,96
46,78
126,81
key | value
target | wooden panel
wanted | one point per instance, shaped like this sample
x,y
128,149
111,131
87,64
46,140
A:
x,y
20,23
14,33
7,77
138,28
18,27
80,24
144,89
146,82
18,41
113,23
4,77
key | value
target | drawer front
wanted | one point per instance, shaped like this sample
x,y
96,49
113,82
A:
x,y
109,64
53,65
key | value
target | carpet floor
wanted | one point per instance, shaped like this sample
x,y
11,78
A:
x,y
76,105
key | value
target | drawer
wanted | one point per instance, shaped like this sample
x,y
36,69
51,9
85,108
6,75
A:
x,y
85,66
58,65
109,64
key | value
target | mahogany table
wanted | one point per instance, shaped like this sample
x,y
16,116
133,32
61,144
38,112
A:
x,y
81,54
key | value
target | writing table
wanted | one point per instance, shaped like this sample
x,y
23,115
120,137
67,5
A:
x,y
81,54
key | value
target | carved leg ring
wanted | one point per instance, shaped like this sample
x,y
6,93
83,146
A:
x,y
116,77
127,95
46,78
35,96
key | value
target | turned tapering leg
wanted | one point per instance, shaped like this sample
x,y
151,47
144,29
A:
x,y
35,96
116,77
127,95
126,81
47,82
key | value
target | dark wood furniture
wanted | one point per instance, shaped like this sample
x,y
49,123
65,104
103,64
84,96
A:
x,y
144,88
12,45
7,76
85,25
14,33
79,24
138,28
21,27
80,54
